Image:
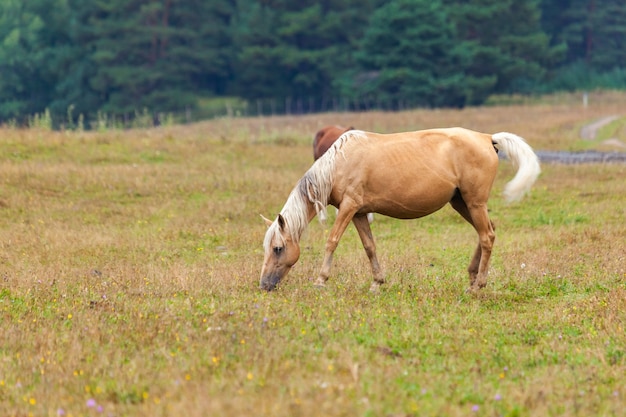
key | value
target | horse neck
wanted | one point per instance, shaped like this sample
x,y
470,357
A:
x,y
298,212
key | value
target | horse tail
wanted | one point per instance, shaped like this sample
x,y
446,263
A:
x,y
524,158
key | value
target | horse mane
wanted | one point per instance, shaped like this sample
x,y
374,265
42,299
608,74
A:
x,y
313,188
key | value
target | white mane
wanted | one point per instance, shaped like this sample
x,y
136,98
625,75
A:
x,y
313,188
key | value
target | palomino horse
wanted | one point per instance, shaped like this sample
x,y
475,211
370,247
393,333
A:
x,y
325,137
402,175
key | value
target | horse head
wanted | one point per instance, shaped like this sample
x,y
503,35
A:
x,y
281,253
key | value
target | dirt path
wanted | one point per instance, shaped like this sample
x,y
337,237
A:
x,y
588,132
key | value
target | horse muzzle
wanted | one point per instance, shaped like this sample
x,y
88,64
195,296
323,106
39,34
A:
x,y
269,282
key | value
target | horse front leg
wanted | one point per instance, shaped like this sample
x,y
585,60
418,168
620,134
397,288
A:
x,y
344,215
362,225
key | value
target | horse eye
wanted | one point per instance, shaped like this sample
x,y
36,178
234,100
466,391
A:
x,y
278,250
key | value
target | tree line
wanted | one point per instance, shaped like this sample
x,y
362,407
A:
x,y
83,58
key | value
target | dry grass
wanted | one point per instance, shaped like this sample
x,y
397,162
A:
x,y
129,266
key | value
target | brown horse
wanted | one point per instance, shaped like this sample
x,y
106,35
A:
x,y
403,175
325,137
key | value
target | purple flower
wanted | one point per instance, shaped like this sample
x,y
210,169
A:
x,y
60,412
498,397
475,408
91,403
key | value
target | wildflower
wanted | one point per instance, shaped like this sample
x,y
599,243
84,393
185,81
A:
x,y
91,403
497,397
60,412
475,408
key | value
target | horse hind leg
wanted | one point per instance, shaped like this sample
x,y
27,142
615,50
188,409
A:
x,y
362,225
478,217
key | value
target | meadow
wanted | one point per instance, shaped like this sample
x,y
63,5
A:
x,y
130,260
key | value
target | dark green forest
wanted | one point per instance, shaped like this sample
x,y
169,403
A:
x,y
80,59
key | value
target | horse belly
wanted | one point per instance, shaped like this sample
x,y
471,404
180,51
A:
x,y
408,202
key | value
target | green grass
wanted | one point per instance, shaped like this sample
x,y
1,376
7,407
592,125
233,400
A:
x,y
129,267
615,129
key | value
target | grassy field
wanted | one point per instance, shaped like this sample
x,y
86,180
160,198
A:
x,y
129,267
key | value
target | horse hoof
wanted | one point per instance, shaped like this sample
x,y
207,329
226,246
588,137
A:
x,y
473,289
375,288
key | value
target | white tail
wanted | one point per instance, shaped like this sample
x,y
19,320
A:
x,y
524,158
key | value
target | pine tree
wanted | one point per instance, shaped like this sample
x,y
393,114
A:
x,y
505,40
148,55
595,32
409,56
28,30
296,49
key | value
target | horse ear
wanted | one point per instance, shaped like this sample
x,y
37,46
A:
x,y
281,222
267,221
